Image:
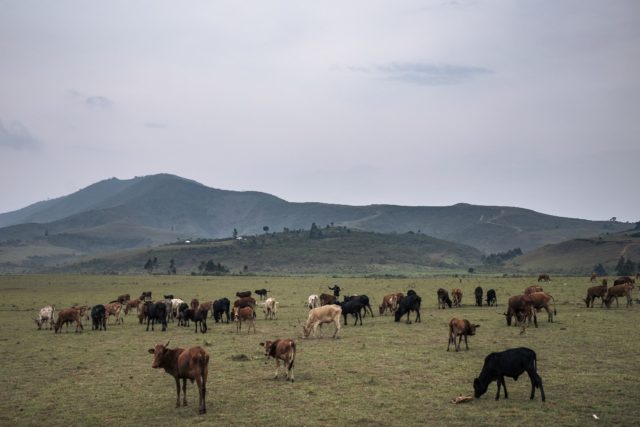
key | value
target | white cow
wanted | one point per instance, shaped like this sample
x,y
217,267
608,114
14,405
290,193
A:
x,y
46,315
318,316
175,304
270,308
313,301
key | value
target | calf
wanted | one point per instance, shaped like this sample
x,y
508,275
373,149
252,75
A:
x,y
460,328
595,292
491,298
69,315
135,303
195,303
326,299
123,299
321,315
533,288
145,296
243,294
175,306
544,278
618,291
99,317
456,293
220,306
114,309
180,363
521,307
270,309
198,316
594,277
262,293
313,301
183,320
542,300
284,350
46,316
443,298
408,304
244,314
156,312
509,363
478,294
389,302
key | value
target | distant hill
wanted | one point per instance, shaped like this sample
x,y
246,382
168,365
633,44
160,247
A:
x,y
146,211
338,251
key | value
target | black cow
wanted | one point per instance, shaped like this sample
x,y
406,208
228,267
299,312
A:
x,y
170,296
336,290
99,317
220,307
157,312
262,293
182,320
353,306
198,316
509,363
478,294
443,298
364,300
491,298
408,304
243,294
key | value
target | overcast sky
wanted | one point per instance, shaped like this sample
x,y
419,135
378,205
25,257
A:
x,y
521,103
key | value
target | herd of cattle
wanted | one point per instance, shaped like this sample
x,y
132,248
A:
x,y
192,363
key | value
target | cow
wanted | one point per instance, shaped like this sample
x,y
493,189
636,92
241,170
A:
x,y
195,303
456,293
191,363
326,299
352,306
45,316
460,328
244,314
114,309
624,280
595,292
243,294
618,291
594,277
336,290
321,315
83,309
281,349
98,317
175,305
183,320
544,278
262,293
533,288
220,307
156,312
364,300
543,300
145,296
408,304
245,302
198,316
313,301
605,282
389,302
521,307
130,305
443,298
123,299
69,315
478,294
270,308
170,296
509,363
491,298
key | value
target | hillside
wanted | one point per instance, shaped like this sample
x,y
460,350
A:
x,y
339,251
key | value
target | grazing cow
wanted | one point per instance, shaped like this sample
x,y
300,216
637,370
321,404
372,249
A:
x,y
456,293
145,296
408,304
618,291
321,315
443,298
130,305
326,299
533,288
389,302
478,294
191,363
243,294
46,316
114,309
542,300
313,301
364,300
624,280
509,363
156,312
99,317
595,292
491,298
336,290
460,328
281,349
594,277
262,293
544,278
220,307
198,316
270,308
244,314
521,307
69,315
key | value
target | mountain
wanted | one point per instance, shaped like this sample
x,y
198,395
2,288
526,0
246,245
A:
x,y
146,211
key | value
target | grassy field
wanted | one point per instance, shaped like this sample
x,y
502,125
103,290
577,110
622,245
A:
x,y
383,373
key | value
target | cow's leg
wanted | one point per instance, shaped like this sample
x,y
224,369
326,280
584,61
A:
x,y
465,342
184,392
418,320
201,392
336,333
277,368
177,392
499,384
449,343
504,387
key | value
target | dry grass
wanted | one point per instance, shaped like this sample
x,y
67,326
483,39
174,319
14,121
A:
x,y
383,373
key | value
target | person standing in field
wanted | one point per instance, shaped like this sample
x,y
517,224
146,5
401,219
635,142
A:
x,y
336,290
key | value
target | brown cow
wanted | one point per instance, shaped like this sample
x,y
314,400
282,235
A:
x,y
321,315
624,280
191,363
542,300
244,314
123,299
533,288
594,277
618,291
114,309
460,328
207,305
544,278
390,302
596,292
145,296
281,349
521,307
456,293
245,302
135,303
326,299
69,315
604,282
194,304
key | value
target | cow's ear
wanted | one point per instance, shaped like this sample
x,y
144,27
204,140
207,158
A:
x,y
151,351
261,344
477,326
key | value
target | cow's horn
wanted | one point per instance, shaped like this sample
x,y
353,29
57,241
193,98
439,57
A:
x,y
167,344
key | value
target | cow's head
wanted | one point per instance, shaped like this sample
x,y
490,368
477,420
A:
x,y
472,328
158,354
267,348
306,331
479,388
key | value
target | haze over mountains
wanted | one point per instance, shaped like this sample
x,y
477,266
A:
x,y
146,211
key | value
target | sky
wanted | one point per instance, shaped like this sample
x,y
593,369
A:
x,y
533,104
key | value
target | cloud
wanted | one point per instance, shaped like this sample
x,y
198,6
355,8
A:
x,y
425,74
16,136
96,102
155,125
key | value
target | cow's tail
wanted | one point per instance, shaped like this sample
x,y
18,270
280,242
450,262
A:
x,y
554,306
292,355
204,367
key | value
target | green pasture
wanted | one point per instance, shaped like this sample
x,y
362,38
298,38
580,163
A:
x,y
381,373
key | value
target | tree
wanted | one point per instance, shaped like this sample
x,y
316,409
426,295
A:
x,y
628,268
148,266
235,233
471,270
620,265
600,270
245,269
315,232
613,219
172,267
265,228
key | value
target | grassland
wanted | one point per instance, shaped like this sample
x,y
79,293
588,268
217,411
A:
x,y
383,373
